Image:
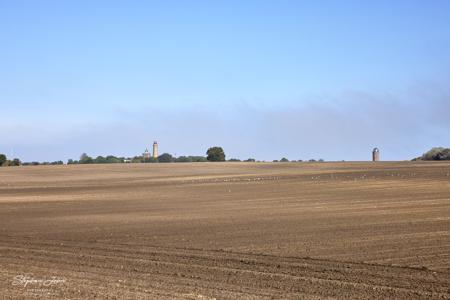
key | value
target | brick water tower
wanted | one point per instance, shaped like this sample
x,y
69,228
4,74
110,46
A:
x,y
155,149
376,154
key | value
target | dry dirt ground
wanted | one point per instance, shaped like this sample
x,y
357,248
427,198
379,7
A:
x,y
226,231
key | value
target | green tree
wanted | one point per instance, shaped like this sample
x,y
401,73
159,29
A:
x,y
2,159
137,159
284,159
86,159
215,154
113,160
183,159
197,158
165,158
100,160
15,162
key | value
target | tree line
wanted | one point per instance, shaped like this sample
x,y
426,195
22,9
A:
x,y
213,154
110,159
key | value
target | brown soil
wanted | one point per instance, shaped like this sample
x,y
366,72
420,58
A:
x,y
226,231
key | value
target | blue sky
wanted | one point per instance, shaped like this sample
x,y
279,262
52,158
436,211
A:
x,y
263,79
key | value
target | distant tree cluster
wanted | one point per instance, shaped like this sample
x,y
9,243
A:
x,y
238,160
5,162
45,163
86,159
190,159
214,154
234,160
438,153
284,159
110,159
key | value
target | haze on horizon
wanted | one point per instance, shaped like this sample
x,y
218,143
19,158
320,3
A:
x,y
262,79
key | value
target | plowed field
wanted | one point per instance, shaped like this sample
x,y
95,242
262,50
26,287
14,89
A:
x,y
226,231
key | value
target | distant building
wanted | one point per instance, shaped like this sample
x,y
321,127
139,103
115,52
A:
x,y
155,149
376,154
146,155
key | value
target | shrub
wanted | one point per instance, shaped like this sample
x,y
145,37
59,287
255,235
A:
x,y
438,153
165,158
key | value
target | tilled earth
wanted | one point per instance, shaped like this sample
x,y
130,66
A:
x,y
226,231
